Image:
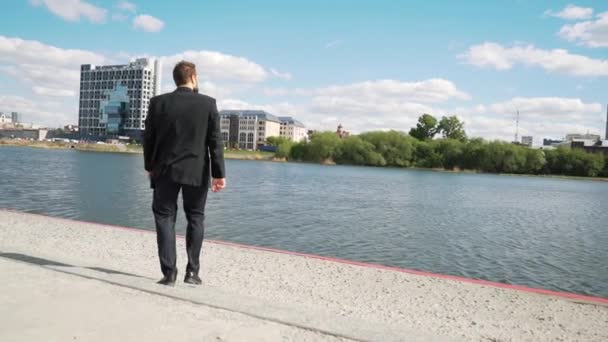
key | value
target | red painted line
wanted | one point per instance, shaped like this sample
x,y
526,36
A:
x,y
353,263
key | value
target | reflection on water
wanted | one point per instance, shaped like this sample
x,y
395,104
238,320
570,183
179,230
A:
x,y
538,232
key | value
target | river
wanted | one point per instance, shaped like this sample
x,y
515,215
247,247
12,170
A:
x,y
539,232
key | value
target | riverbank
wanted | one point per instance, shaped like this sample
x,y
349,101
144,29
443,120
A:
x,y
122,148
331,298
250,155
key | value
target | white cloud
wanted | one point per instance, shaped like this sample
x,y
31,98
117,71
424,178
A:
x,y
26,51
148,23
126,6
547,108
276,91
279,109
360,115
53,92
48,69
572,12
431,90
73,10
44,112
363,106
52,74
218,66
206,87
494,55
282,75
541,117
592,33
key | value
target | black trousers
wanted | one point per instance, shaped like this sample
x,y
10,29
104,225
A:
x,y
164,206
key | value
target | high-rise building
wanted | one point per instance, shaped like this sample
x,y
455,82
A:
x,y
248,129
527,140
15,117
114,99
292,129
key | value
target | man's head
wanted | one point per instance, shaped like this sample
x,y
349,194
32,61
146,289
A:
x,y
184,75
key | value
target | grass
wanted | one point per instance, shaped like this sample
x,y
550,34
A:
x,y
248,155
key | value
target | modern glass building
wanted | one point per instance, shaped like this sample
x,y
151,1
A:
x,y
16,118
114,111
98,114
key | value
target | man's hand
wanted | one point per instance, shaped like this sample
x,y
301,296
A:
x,y
218,184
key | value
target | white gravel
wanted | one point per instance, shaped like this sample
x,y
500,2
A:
x,y
444,308
38,304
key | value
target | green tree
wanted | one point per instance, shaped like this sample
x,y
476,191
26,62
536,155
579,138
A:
x,y
473,154
426,156
503,157
451,127
573,162
395,147
299,151
356,151
426,128
451,152
277,141
322,146
282,144
284,149
604,172
535,161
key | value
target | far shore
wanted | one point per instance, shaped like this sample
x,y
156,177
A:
x,y
246,155
122,148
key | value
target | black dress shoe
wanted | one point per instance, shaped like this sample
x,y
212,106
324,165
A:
x,y
168,280
192,278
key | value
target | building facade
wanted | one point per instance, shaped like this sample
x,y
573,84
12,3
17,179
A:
x,y
16,118
578,136
114,110
527,140
341,132
293,129
102,88
5,119
550,142
248,129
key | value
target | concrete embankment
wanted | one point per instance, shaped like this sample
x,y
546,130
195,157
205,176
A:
x,y
73,280
121,148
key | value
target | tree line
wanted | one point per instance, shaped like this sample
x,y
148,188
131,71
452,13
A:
x,y
453,151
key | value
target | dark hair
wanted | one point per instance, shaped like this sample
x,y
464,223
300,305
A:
x,y
183,72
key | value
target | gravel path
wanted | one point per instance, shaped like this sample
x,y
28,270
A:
x,y
443,308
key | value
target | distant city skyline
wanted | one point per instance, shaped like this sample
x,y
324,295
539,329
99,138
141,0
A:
x,y
368,65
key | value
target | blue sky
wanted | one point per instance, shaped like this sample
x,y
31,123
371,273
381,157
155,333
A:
x,y
367,64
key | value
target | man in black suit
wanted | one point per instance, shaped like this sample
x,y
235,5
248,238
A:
x,y
182,145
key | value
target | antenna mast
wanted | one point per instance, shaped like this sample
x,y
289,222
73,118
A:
x,y
517,127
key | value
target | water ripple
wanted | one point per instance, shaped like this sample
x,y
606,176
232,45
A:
x,y
537,232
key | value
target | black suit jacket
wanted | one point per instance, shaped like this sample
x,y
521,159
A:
x,y
182,138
